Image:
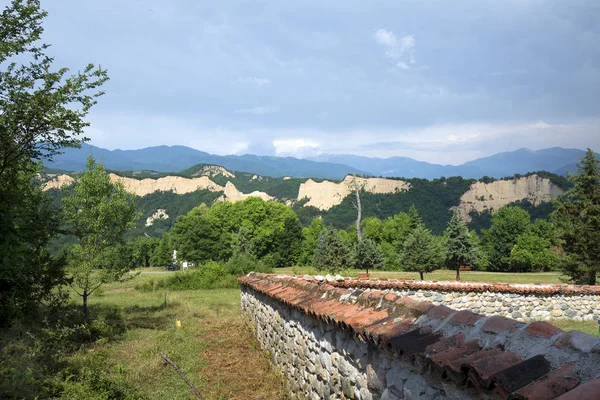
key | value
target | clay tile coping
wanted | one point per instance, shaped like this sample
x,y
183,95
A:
x,y
462,286
392,323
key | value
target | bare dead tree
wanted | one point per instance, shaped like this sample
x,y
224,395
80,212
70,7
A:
x,y
358,207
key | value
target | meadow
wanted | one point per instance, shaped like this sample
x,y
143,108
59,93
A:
x,y
121,359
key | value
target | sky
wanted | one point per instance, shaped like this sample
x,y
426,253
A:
x,y
436,80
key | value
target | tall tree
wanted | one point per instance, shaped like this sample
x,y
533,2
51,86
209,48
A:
x,y
460,249
498,241
99,213
330,254
42,110
577,216
310,237
366,255
423,253
415,219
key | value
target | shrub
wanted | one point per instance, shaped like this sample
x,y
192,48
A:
x,y
211,275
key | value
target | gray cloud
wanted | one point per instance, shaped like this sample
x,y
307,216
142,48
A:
x,y
221,75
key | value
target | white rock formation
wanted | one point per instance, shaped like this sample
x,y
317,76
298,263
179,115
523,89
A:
x,y
326,194
57,181
492,196
161,213
232,194
177,184
214,170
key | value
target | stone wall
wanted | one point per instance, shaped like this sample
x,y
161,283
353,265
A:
x,y
523,302
346,343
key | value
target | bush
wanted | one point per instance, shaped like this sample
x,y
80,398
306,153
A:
x,y
242,263
211,275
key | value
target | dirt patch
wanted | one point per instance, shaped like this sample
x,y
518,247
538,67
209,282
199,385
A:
x,y
236,367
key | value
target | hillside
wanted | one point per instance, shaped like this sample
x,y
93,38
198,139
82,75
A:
x,y
160,200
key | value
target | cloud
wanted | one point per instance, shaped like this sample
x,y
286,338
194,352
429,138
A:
x,y
401,50
260,148
297,147
257,110
254,81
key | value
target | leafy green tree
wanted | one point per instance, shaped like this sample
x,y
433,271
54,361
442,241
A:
x,y
460,249
366,255
423,253
288,242
309,244
99,213
141,249
498,241
42,110
532,252
394,232
331,254
163,254
372,228
577,216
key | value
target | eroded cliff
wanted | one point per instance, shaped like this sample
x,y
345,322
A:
x,y
491,196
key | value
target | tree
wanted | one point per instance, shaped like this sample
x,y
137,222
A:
x,y
41,111
163,254
422,252
532,252
415,219
460,249
99,213
309,243
141,249
330,254
366,255
577,217
498,241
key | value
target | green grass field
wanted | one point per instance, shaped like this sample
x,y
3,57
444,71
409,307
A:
x,y
214,348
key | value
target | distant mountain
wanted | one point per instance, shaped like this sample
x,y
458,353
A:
x,y
177,158
522,161
325,166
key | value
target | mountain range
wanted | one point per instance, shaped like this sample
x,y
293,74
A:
x,y
326,166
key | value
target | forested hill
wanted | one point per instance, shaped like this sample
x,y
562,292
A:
x,y
162,197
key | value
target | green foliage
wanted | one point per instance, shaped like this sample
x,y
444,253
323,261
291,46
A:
x,y
141,249
210,275
272,229
310,238
460,248
98,213
42,110
331,254
366,255
507,224
422,253
433,198
36,357
163,254
577,217
533,252
174,205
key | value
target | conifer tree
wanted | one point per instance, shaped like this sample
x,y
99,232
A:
x,y
460,249
422,252
577,216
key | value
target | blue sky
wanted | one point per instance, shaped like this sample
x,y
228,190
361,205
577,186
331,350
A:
x,y
437,80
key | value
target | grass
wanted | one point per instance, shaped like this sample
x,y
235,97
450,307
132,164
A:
x,y
214,348
446,275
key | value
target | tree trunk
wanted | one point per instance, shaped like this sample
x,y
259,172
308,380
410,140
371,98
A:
x,y
458,273
421,275
358,207
591,277
85,304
